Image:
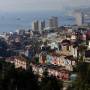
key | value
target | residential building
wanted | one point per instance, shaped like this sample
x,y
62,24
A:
x,y
53,22
79,18
35,25
20,62
41,26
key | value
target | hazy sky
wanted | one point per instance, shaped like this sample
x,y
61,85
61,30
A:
x,y
37,5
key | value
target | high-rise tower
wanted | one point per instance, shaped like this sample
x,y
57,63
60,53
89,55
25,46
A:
x,y
53,22
35,25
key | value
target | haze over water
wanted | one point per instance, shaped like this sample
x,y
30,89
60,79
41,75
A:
x,y
12,21
36,9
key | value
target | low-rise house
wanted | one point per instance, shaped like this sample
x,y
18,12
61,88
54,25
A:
x,y
73,50
57,59
57,71
19,61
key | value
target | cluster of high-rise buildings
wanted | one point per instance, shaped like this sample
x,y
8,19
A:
x,y
82,17
38,25
41,25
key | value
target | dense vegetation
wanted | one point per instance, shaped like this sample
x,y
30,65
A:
x,y
19,79
82,81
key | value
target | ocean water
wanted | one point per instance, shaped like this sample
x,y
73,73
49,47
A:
x,y
13,21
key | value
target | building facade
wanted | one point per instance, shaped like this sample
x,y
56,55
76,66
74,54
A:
x,y
41,26
79,18
53,22
35,25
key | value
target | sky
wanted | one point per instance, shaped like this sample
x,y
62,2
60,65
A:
x,y
41,5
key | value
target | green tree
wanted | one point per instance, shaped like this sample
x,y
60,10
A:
x,y
17,79
50,83
82,49
83,80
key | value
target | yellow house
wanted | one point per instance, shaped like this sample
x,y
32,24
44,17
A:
x,y
20,61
